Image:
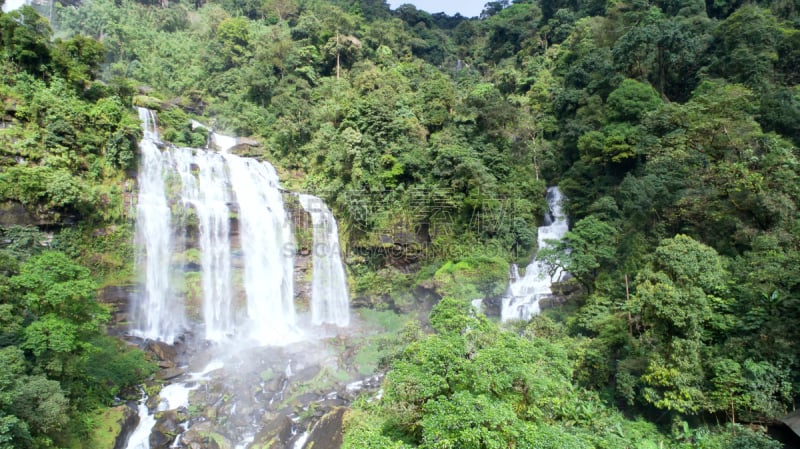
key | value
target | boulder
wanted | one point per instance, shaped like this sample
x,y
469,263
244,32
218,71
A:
x,y
204,436
164,352
128,423
167,428
328,432
117,297
274,435
247,147
167,372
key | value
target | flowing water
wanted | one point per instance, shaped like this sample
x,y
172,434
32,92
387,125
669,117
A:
x,y
192,204
522,300
156,314
329,299
215,252
204,190
140,438
268,247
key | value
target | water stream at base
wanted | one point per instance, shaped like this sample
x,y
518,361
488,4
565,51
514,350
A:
x,y
522,299
173,396
140,438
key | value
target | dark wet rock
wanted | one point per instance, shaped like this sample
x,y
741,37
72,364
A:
x,y
167,428
327,433
117,297
568,289
163,351
331,402
373,302
247,147
302,282
563,292
274,435
307,373
550,301
13,213
305,398
493,306
192,267
128,423
276,384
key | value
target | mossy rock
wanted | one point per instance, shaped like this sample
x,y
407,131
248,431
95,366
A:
x,y
203,435
274,435
146,101
111,428
328,432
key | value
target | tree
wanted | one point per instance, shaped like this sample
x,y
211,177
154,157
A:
x,y
583,250
25,37
745,46
630,101
233,36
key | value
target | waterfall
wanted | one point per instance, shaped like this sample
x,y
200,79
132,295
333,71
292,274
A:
x,y
11,5
203,185
268,247
207,195
329,299
522,300
156,314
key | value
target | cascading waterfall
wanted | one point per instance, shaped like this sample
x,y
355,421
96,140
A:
x,y
204,184
268,247
329,298
522,300
156,314
206,194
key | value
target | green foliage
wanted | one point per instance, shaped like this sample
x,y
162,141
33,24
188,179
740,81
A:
x,y
631,101
472,278
475,385
671,127
582,251
55,362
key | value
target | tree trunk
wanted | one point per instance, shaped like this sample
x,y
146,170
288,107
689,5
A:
x,y
338,69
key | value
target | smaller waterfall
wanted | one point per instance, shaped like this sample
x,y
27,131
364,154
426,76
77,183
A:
x,y
156,313
522,300
222,142
329,298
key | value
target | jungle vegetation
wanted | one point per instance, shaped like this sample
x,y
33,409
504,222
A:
x,y
672,127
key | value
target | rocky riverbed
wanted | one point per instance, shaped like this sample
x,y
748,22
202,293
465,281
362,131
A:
x,y
241,396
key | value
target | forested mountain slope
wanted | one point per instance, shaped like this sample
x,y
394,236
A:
x,y
671,127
